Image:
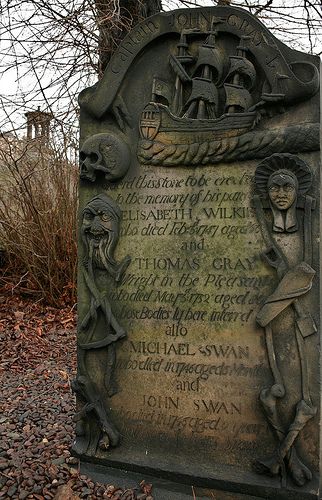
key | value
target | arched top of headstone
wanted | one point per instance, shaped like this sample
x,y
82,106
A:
x,y
286,75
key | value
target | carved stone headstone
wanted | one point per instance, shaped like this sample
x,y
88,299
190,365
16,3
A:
x,y
198,343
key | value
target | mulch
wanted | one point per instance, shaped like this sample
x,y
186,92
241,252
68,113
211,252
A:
x,y
37,365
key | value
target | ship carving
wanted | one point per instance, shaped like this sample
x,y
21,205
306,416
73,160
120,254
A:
x,y
202,114
218,87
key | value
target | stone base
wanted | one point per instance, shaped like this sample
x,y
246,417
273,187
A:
x,y
163,489
181,484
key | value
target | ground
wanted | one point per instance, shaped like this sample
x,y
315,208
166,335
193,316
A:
x,y
37,364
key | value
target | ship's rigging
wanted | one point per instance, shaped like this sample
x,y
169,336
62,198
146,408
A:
x,y
202,82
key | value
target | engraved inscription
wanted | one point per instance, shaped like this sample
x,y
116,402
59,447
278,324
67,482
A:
x,y
191,295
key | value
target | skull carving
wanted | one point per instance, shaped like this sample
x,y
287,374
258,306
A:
x,y
105,153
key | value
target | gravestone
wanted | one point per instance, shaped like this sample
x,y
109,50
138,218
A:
x,y
198,341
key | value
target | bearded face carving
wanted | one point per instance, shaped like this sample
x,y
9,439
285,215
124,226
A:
x,y
100,232
100,224
104,153
98,327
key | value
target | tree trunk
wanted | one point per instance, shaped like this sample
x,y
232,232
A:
x,y
115,19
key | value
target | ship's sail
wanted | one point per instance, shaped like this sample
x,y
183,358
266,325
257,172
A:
x,y
203,100
244,68
211,57
239,80
238,97
162,89
203,89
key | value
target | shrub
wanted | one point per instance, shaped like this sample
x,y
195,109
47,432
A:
x,y
38,201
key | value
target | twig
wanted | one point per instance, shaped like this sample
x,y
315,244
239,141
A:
x,y
20,281
264,7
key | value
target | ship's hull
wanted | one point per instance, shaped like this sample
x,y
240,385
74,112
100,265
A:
x,y
157,120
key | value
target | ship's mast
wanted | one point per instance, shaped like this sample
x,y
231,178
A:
x,y
206,73
238,79
203,100
178,93
181,58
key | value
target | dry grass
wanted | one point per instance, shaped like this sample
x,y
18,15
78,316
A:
x,y
38,199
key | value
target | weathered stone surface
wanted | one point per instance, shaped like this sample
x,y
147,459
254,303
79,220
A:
x,y
199,258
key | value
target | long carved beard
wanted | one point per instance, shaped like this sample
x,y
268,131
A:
x,y
99,256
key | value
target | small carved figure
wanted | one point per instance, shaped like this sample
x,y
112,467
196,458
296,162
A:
x,y
105,153
100,232
282,190
282,180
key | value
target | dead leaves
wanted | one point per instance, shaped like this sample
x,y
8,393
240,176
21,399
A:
x,y
38,361
31,333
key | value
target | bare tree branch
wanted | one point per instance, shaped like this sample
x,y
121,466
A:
x,y
264,7
50,51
